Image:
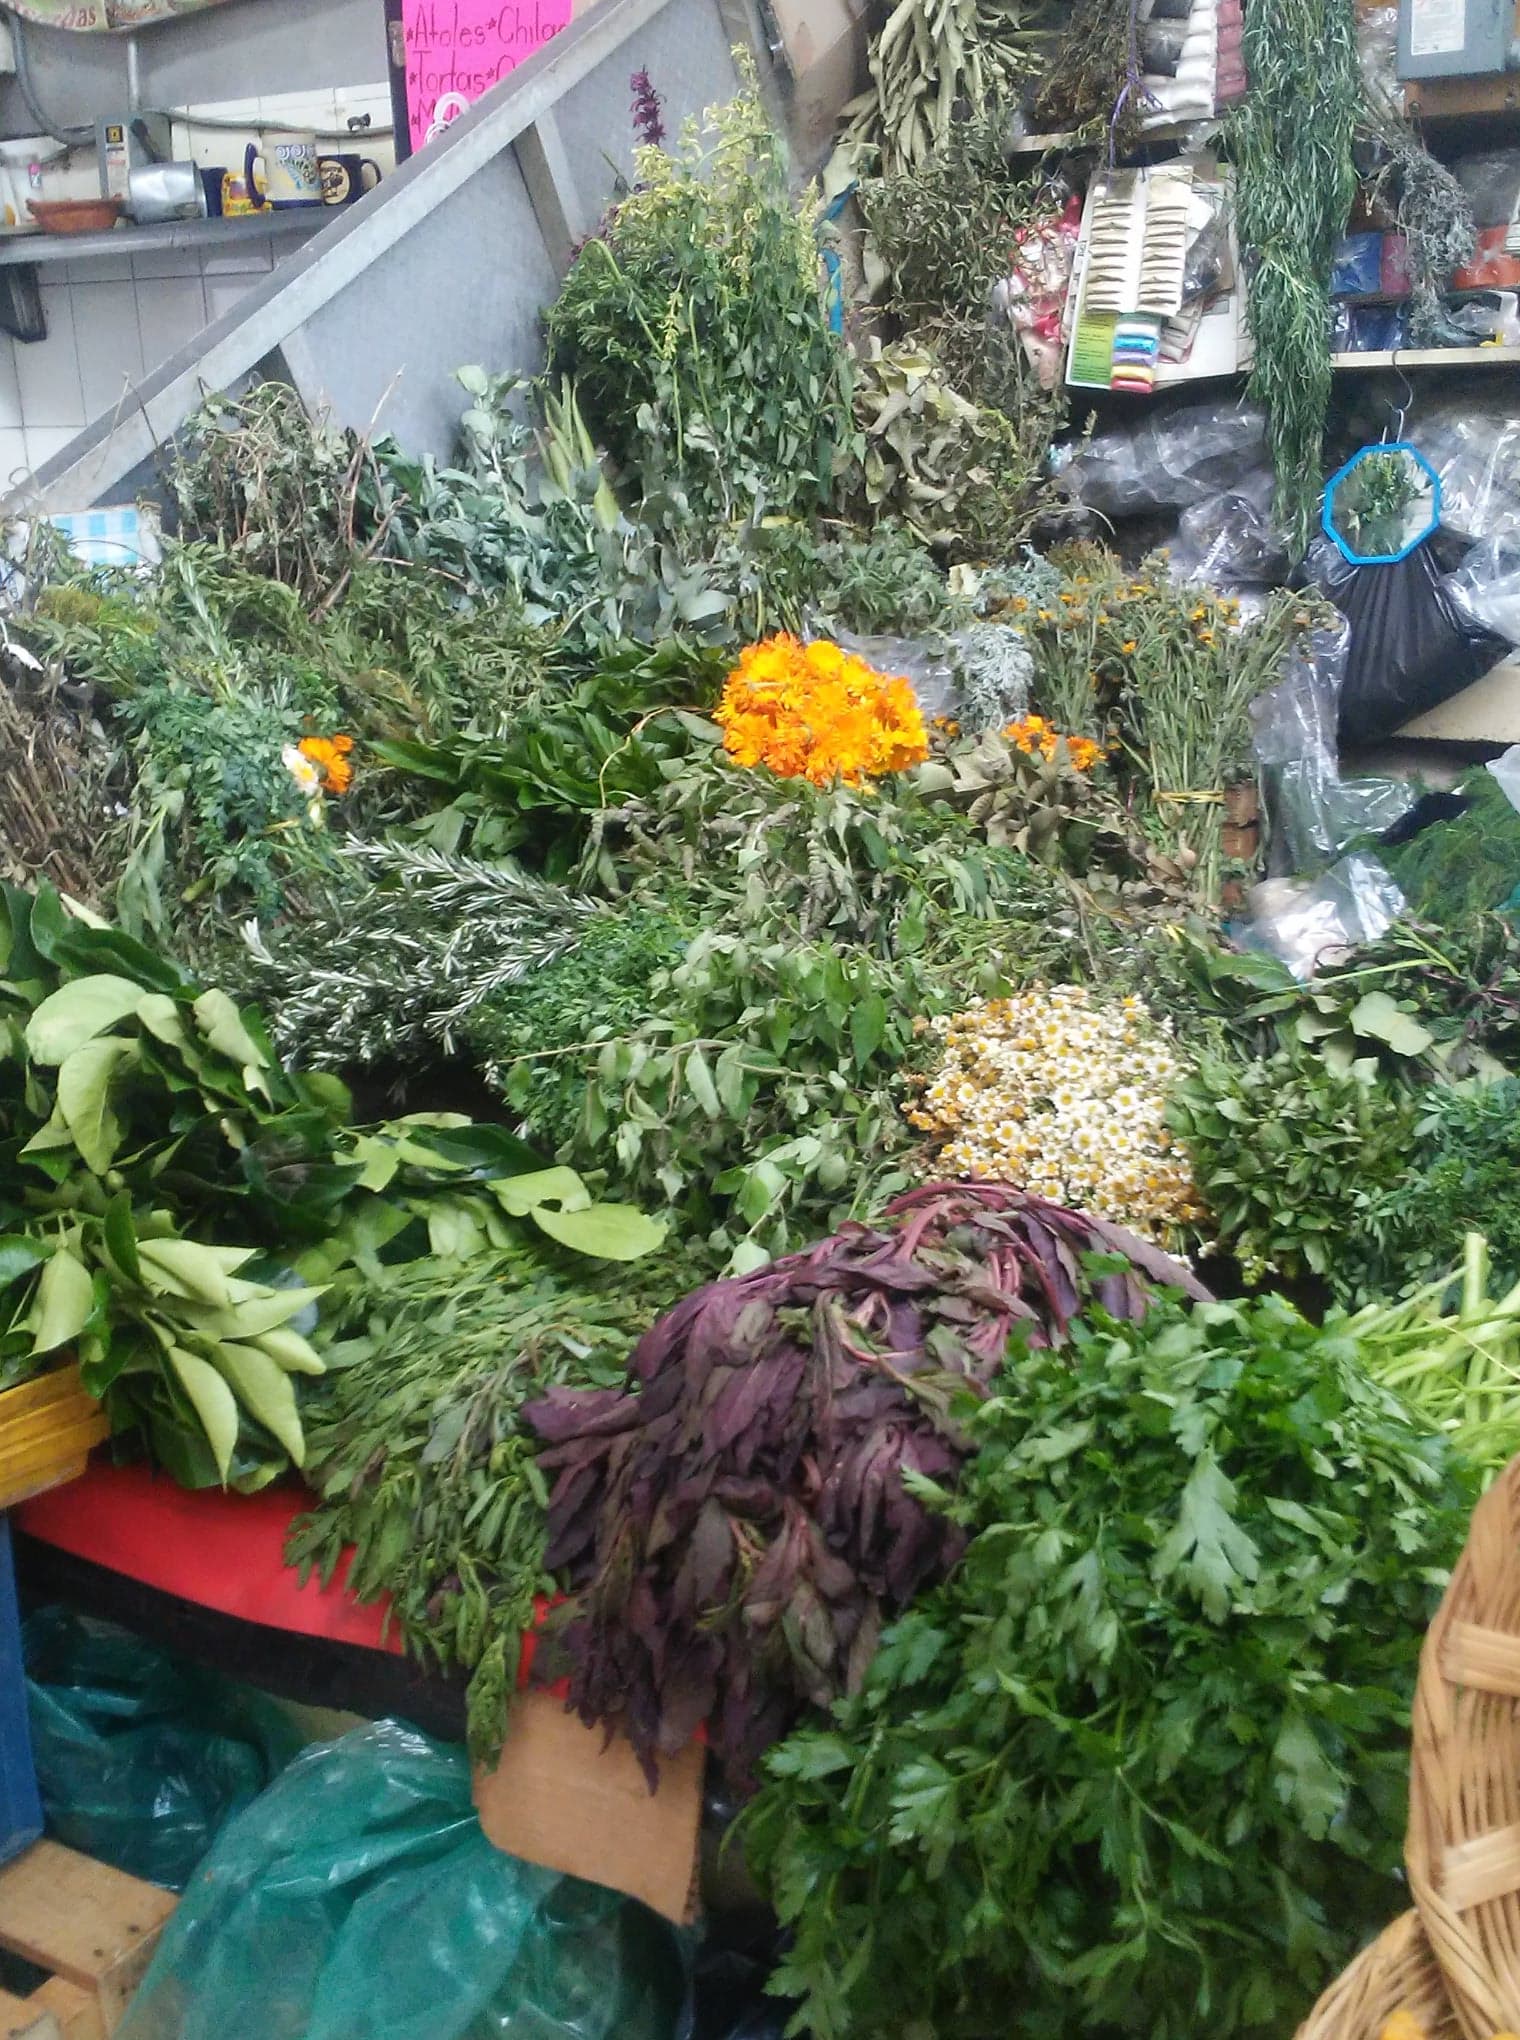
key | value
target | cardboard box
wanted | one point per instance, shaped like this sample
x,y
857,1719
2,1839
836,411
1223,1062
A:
x,y
823,43
1494,92
565,1797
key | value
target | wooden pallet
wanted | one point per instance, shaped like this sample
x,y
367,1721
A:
x,y
93,1929
47,1427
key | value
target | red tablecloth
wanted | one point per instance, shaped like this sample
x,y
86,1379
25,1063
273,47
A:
x,y
221,1551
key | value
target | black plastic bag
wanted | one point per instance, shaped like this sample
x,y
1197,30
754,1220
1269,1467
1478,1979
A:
x,y
1411,647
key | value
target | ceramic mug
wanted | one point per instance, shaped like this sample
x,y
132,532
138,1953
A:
x,y
227,194
345,179
291,176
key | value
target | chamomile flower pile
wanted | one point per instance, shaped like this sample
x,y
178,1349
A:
x,y
1067,1098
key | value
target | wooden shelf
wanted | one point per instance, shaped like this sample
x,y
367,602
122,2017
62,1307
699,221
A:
x,y
125,239
1430,357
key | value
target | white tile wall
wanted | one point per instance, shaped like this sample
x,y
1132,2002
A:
x,y
116,318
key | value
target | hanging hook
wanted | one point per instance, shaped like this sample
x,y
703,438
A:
x,y
1402,411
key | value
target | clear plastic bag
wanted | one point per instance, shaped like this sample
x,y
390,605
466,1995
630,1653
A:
x,y
928,662
1313,814
1377,46
358,1899
1230,541
1169,459
1491,179
142,1758
1311,926
1471,437
1506,769
1486,587
980,676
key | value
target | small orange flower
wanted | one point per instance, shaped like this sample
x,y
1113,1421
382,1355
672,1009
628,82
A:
x,y
330,756
1035,734
1129,645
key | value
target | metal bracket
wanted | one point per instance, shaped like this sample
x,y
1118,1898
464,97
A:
x,y
546,171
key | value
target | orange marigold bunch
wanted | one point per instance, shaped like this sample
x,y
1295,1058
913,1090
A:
x,y
1034,734
817,712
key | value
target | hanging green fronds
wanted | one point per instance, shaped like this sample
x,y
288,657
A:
x,y
935,62
1292,146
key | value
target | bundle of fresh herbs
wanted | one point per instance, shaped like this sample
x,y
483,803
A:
x,y
693,328
1138,1764
1466,865
935,63
154,1147
1291,143
421,1462
739,1523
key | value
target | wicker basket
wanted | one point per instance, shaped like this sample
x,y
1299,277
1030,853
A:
x,y
1397,1973
1463,1846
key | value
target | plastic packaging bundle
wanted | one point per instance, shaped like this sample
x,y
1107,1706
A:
x,y
1170,459
1491,179
358,1899
1377,48
1309,927
1313,814
1486,587
1229,541
141,1757
1471,437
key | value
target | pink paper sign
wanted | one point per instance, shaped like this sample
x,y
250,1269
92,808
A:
x,y
458,49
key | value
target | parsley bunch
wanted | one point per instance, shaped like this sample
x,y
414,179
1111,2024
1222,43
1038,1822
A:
x,y
1138,1766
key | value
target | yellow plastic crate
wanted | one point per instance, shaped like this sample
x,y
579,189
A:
x,y
47,1428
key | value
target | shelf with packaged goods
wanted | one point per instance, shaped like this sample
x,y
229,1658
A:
x,y
215,236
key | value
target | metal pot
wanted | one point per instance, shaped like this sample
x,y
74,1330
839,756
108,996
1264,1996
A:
x,y
166,191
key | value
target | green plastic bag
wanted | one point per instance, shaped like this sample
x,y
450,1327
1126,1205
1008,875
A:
x,y
141,1757
358,1899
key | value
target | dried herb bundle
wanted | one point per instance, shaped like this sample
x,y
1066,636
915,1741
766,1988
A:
x,y
740,1523
55,798
1085,79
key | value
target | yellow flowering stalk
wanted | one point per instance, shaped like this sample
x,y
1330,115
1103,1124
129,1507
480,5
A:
x,y
819,713
1067,1099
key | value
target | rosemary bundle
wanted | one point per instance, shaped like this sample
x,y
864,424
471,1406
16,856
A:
x,y
417,1454
1295,181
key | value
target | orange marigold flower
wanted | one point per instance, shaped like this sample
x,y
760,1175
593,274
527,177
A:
x,y
330,756
818,712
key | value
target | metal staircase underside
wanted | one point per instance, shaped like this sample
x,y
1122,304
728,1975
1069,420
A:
x,y
450,261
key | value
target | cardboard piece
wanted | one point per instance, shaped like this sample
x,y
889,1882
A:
x,y
564,1797
824,45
